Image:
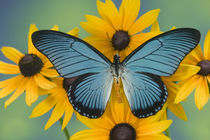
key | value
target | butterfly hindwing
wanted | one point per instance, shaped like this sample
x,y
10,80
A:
x,y
90,92
145,92
160,56
87,69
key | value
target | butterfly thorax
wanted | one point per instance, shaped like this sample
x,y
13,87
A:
x,y
116,68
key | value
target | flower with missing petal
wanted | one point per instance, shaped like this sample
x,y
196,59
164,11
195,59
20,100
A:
x,y
118,123
57,99
194,73
118,32
31,72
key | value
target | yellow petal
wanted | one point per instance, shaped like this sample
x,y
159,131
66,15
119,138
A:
x,y
102,122
74,32
42,91
43,82
47,63
105,121
197,53
100,44
55,28
92,134
68,114
152,119
109,13
57,113
49,72
20,89
172,90
139,39
103,45
207,46
184,71
118,112
6,68
12,54
174,27
201,93
154,128
128,13
31,47
186,88
154,137
31,91
43,107
9,85
165,116
155,27
130,118
208,77
97,27
178,110
194,56
144,21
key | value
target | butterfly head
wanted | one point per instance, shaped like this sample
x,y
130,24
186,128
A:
x,y
116,59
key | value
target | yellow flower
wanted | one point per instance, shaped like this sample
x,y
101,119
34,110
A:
x,y
176,109
30,69
172,88
118,31
194,73
119,123
57,99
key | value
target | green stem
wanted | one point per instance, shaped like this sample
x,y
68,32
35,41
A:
x,y
65,130
168,130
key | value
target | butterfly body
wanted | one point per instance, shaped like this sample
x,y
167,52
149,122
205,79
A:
x,y
94,74
116,68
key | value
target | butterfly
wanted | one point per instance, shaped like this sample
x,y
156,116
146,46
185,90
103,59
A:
x,y
92,74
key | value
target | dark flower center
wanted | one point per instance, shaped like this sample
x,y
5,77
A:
x,y
30,65
120,40
122,131
205,67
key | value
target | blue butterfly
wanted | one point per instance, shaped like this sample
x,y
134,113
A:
x,y
92,74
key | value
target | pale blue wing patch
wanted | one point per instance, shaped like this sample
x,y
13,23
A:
x,y
146,93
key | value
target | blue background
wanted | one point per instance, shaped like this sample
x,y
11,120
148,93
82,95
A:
x,y
17,15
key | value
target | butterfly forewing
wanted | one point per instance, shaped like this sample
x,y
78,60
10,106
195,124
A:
x,y
90,70
162,54
70,55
